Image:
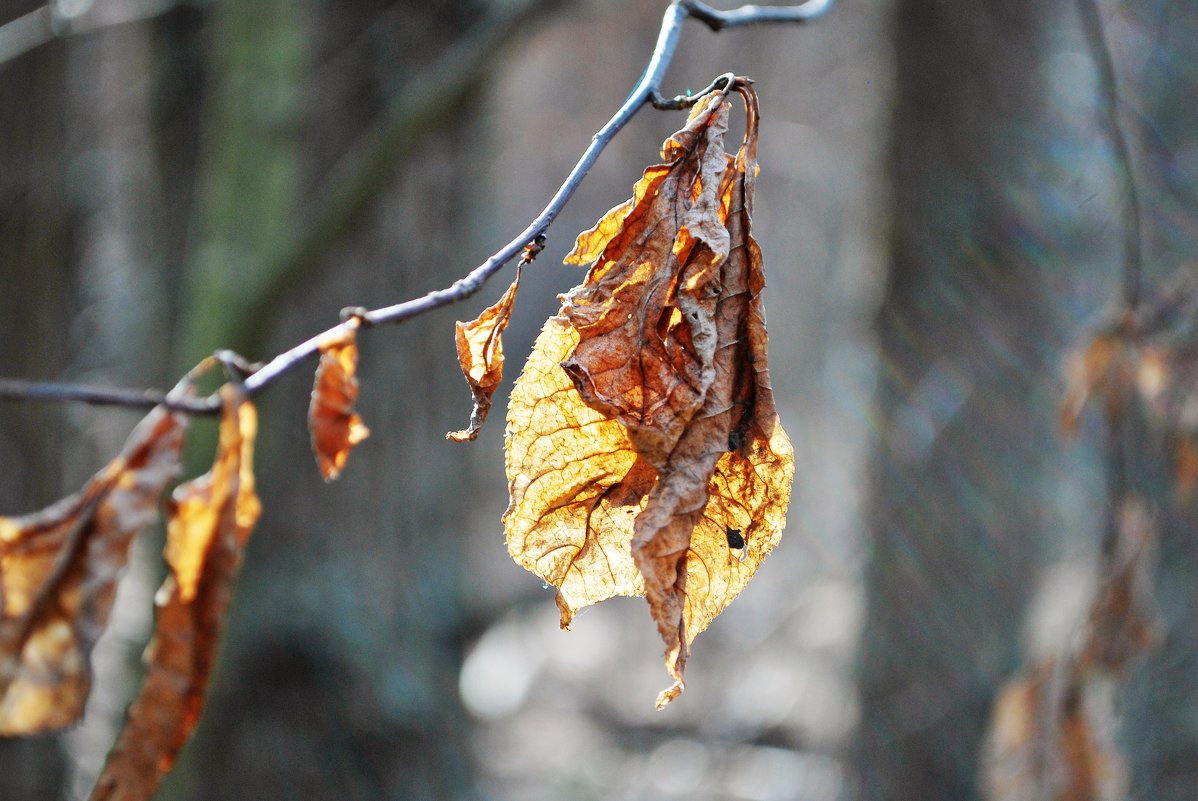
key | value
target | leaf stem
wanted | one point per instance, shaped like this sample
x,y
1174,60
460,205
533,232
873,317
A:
x,y
646,91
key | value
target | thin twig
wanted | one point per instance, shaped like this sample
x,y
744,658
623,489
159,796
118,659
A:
x,y
1100,49
25,33
44,24
752,15
1125,433
645,92
368,166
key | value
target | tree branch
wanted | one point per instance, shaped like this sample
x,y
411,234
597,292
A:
x,y
1125,434
1104,62
646,91
410,119
46,23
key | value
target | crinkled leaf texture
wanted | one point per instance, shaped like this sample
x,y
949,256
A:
x,y
644,451
211,520
480,355
332,422
58,573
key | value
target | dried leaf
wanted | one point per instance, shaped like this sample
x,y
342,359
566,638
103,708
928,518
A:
x,y
732,468
1107,368
1124,621
645,312
1051,733
1049,739
480,354
334,426
1185,468
576,483
58,572
211,520
652,461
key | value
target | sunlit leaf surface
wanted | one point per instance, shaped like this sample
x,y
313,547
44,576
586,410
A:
x,y
644,453
332,422
211,520
58,573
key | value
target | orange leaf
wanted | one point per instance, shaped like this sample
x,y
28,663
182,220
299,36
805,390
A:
x,y
211,520
576,483
58,572
651,460
480,354
645,313
727,479
334,426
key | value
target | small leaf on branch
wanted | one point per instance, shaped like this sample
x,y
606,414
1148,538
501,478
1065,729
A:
x,y
643,429
58,573
334,426
480,353
211,520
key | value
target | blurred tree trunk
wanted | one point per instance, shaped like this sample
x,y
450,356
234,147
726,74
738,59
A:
x,y
248,182
963,404
338,674
36,310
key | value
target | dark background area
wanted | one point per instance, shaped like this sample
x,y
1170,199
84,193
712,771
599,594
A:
x,y
941,215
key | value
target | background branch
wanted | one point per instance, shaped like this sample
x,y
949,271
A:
x,y
1108,82
348,195
1127,432
45,23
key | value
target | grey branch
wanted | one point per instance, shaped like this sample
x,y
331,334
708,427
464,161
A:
x,y
46,23
647,91
1104,62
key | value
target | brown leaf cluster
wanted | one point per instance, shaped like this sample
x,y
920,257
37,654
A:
x,y
332,423
1048,740
1051,733
211,518
480,354
644,452
58,573
1145,362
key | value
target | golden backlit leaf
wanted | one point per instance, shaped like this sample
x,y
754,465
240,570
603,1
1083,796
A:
x,y
211,520
480,354
334,426
576,484
58,573
644,452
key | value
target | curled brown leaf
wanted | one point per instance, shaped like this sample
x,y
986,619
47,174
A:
x,y
332,422
480,354
644,452
58,573
211,520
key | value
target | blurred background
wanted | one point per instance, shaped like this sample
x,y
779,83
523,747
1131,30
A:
x,y
941,214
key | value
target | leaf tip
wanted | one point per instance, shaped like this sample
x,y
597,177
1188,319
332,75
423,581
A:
x,y
669,694
567,614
